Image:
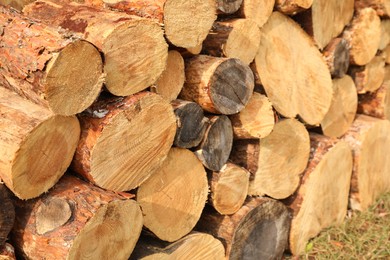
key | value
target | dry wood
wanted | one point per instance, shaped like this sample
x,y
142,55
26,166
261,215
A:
x,y
77,220
17,4
363,36
306,88
218,85
336,54
276,161
36,145
382,7
233,38
322,199
124,140
228,188
256,120
257,10
214,150
385,34
7,215
369,139
385,53
292,7
228,6
191,123
342,111
116,35
259,230
48,66
173,198
7,252
370,77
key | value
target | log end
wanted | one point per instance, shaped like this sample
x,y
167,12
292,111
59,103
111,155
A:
x,y
228,6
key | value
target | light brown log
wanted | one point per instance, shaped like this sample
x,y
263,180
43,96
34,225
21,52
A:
x,y
343,108
49,67
124,140
292,7
363,36
386,54
173,198
382,7
7,215
257,10
369,138
228,6
228,188
370,77
276,161
259,230
336,55
171,81
134,49
36,145
322,198
256,120
385,34
7,252
233,38
218,85
77,220
215,147
306,88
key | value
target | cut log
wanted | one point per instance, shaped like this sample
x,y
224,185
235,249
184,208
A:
x,y
323,13
124,140
77,220
171,211
36,145
322,198
171,81
385,34
228,188
386,54
369,138
370,77
336,54
306,88
47,66
233,38
228,6
214,150
257,10
382,7
116,35
276,161
343,108
191,123
259,230
195,245
7,252
7,215
256,120
218,85
363,36
292,7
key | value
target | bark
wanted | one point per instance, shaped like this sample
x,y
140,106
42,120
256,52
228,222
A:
x,y
7,252
116,35
7,215
76,220
336,55
370,77
218,85
382,7
36,145
292,7
124,140
228,6
48,66
257,10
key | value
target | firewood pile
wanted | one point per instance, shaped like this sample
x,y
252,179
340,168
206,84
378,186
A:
x,y
188,129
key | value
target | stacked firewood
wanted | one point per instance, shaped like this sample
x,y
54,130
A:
x,y
188,129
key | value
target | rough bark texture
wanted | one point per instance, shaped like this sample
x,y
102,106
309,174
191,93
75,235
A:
x,y
36,145
257,10
124,140
336,54
292,7
382,7
370,77
7,252
171,211
218,85
322,198
48,66
7,215
116,35
228,6
259,230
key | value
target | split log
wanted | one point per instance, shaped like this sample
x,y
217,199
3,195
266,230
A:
x,y
336,54
195,245
259,230
322,198
191,123
385,34
215,147
257,10
228,188
370,77
256,120
292,7
233,38
36,145
306,88
276,161
48,66
363,36
369,139
124,140
171,211
342,111
116,35
228,6
171,81
218,85
7,252
77,220
382,7
7,215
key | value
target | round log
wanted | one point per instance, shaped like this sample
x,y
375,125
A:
x,y
382,7
370,77
336,54
228,6
292,7
257,10
7,215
